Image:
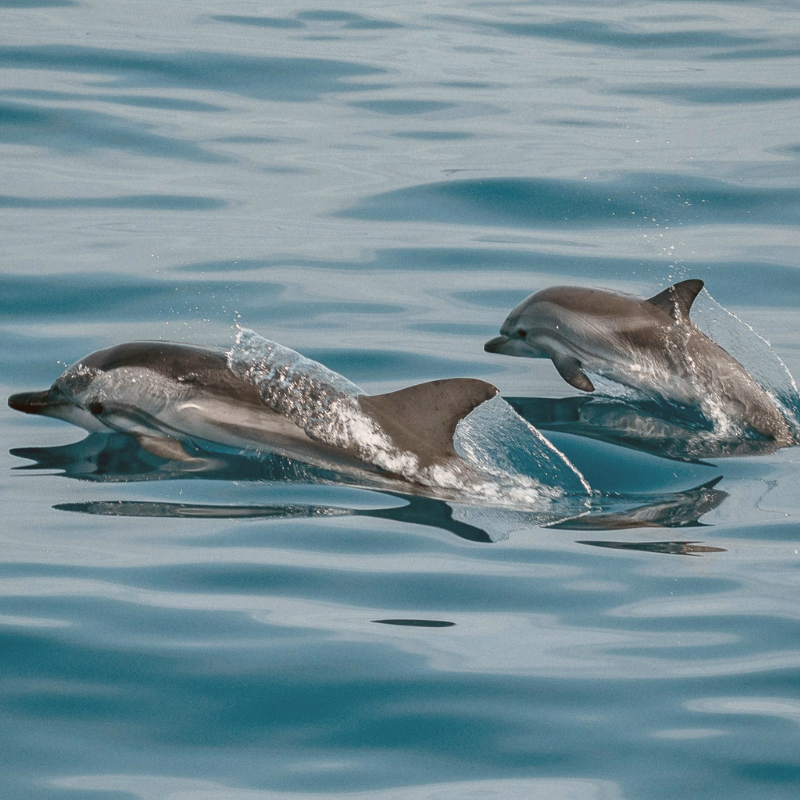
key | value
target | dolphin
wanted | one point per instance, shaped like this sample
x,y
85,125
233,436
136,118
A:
x,y
164,394
650,345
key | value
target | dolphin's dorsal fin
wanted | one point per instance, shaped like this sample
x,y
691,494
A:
x,y
677,300
422,419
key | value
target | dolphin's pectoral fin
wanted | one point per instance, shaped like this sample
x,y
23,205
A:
x,y
422,419
162,446
571,371
173,450
677,300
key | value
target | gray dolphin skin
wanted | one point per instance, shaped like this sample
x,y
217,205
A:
x,y
650,345
163,393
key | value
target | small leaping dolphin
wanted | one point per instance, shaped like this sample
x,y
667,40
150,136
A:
x,y
650,345
163,393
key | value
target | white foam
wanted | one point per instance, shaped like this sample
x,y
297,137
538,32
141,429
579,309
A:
x,y
753,352
75,380
506,461
318,400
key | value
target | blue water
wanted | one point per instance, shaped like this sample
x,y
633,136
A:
x,y
376,185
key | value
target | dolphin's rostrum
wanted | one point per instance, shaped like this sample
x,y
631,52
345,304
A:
x,y
650,345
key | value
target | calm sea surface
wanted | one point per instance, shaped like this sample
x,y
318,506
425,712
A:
x,y
376,185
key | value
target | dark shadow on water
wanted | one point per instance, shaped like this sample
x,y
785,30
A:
x,y
280,23
434,136
714,94
661,429
162,103
27,4
145,508
748,53
667,548
117,457
309,19
403,107
346,19
416,623
418,511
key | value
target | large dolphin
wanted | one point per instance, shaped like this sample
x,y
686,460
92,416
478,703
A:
x,y
164,393
650,345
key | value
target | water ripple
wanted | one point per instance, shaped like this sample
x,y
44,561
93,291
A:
x,y
714,94
633,200
75,296
145,202
581,31
71,130
306,20
158,102
27,4
266,78
403,107
152,787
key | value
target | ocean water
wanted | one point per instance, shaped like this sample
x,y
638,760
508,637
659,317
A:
x,y
376,185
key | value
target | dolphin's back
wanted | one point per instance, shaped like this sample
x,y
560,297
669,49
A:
x,y
177,362
597,303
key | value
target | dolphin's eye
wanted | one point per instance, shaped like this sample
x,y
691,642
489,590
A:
x,y
96,408
522,334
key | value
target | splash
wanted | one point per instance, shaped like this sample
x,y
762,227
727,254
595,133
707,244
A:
x,y
498,442
316,399
503,460
753,352
76,380
703,409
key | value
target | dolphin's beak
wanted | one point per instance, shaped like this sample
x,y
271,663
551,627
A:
x,y
496,345
513,346
31,402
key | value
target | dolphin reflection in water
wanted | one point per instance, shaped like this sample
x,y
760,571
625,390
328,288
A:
x,y
115,458
648,345
640,424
